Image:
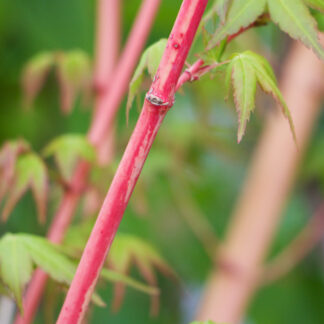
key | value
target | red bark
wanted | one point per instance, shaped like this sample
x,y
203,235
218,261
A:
x,y
158,101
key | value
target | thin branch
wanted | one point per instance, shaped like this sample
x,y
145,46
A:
x,y
267,186
68,205
158,101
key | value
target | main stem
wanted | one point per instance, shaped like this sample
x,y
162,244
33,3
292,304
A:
x,y
159,99
133,48
258,210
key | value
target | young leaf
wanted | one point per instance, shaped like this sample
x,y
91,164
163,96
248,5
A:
x,y
294,18
67,149
241,14
221,8
48,257
8,157
128,249
246,70
16,266
316,4
30,171
34,75
244,84
74,75
150,60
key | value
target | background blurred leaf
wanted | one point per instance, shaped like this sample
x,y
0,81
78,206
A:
x,y
67,149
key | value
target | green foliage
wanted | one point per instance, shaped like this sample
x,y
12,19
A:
x,y
292,16
316,4
245,70
241,14
74,75
149,61
20,253
21,169
126,250
73,72
67,149
314,166
34,75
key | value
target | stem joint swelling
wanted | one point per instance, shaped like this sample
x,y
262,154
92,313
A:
x,y
157,100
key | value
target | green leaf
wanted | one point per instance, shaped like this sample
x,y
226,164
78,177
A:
x,y
67,149
316,4
150,60
48,257
246,70
74,75
221,8
115,276
244,84
34,75
16,266
30,171
241,14
294,18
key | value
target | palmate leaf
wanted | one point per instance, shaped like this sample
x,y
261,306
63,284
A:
x,y
30,172
34,75
21,253
294,18
67,149
245,71
241,14
150,60
74,76
316,4
126,251
16,266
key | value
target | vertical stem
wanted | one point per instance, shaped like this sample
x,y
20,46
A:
x,y
66,210
151,117
258,210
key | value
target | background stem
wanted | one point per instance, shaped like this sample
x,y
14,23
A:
x,y
133,48
267,186
124,181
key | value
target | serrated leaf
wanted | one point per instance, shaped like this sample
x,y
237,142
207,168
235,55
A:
x,y
244,84
268,83
294,18
48,257
74,75
241,14
150,60
67,149
246,69
34,75
221,8
30,171
115,276
16,266
316,4
8,157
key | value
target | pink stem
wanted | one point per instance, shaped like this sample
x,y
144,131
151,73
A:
x,y
64,215
159,99
103,118
107,42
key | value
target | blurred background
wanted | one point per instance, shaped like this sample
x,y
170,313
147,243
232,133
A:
x,y
192,178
